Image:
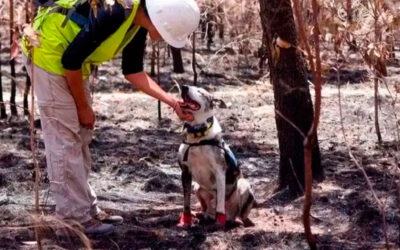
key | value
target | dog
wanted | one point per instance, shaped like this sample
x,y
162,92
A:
x,y
204,157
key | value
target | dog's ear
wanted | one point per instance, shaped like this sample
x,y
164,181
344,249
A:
x,y
221,104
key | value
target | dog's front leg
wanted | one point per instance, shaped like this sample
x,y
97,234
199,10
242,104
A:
x,y
186,218
220,180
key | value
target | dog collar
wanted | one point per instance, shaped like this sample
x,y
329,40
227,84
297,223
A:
x,y
199,130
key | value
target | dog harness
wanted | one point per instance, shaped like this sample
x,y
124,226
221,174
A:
x,y
230,159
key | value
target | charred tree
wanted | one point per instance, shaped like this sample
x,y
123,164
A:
x,y
28,80
3,113
208,25
293,105
158,79
26,93
262,55
194,59
177,60
221,26
13,106
153,60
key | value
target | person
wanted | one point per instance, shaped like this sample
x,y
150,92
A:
x,y
74,35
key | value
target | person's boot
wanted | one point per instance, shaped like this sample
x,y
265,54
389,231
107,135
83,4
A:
x,y
93,228
107,218
96,228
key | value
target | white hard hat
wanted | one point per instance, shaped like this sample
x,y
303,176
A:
x,y
175,20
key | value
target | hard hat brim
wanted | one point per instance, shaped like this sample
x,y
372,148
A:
x,y
159,27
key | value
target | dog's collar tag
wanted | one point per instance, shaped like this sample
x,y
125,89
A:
x,y
199,130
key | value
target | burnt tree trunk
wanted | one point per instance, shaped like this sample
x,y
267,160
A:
x,y
3,113
292,96
177,60
153,60
28,79
26,93
194,59
220,20
13,106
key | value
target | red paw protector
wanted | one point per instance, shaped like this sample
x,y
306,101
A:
x,y
185,220
221,219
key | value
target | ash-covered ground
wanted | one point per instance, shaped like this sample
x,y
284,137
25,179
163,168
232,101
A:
x,y
135,170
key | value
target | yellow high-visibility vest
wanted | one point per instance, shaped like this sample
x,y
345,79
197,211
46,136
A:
x,y
55,39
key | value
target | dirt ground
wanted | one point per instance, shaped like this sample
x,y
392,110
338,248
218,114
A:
x,y
136,175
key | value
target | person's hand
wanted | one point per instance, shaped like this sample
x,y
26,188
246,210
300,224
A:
x,y
183,115
86,117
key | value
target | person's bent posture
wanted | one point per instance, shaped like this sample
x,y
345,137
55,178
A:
x,y
74,36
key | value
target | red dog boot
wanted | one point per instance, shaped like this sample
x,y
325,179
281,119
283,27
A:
x,y
185,221
221,219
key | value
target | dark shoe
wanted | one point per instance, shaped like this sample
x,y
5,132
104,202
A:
x,y
107,218
96,228
92,228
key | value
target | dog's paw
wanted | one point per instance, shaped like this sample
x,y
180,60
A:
x,y
185,221
221,220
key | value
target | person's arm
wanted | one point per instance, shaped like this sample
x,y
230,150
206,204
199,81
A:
x,y
132,68
143,82
75,84
88,39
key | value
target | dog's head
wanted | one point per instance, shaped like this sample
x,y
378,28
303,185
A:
x,y
198,102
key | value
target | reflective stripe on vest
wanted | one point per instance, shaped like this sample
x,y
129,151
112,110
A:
x,y
55,39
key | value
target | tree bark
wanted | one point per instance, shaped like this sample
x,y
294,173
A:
x,y
177,60
153,60
3,113
158,80
292,96
26,93
194,59
220,20
28,79
13,106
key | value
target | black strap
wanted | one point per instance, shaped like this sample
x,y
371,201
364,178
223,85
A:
x,y
233,166
43,3
75,17
212,142
70,14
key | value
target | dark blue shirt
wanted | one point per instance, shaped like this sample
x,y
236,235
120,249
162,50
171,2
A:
x,y
99,29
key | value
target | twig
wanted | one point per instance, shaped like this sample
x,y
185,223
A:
x,y
309,142
158,79
290,122
393,102
33,149
295,176
359,166
115,243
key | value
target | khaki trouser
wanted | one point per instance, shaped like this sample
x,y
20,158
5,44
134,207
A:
x,y
67,147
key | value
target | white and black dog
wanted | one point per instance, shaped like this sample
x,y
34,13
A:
x,y
223,193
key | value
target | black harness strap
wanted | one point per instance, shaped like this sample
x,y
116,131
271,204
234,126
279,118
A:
x,y
233,167
212,142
